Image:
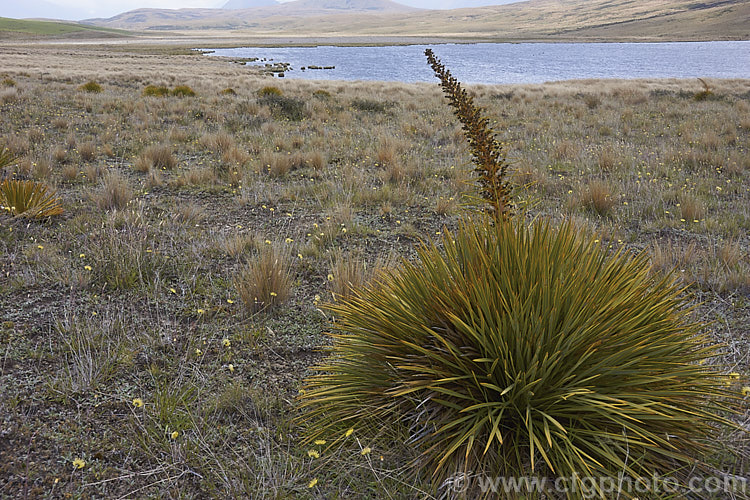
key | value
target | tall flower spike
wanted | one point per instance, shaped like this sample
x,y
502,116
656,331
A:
x,y
487,152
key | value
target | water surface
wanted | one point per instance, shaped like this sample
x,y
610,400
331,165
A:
x,y
512,62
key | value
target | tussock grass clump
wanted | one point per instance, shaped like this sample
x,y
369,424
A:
x,y
91,87
509,349
114,193
87,150
160,156
9,82
30,199
266,281
228,91
597,196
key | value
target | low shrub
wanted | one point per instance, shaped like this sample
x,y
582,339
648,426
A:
x,y
91,87
183,91
269,90
155,91
284,107
371,105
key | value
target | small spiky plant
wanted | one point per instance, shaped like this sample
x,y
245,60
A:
x,y
6,157
24,198
488,156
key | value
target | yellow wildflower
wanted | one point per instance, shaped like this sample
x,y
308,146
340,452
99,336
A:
x,y
174,435
138,402
312,483
88,268
313,454
746,391
226,342
349,432
320,441
365,451
79,463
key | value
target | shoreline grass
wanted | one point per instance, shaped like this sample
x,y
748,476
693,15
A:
x,y
124,341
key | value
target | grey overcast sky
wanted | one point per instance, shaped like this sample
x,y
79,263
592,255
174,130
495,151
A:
x,y
82,9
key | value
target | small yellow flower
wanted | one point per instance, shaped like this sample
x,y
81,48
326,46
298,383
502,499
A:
x,y
82,255
174,435
313,454
201,311
198,352
231,368
746,391
226,343
320,441
138,402
40,247
349,432
173,290
88,268
289,240
365,451
79,463
274,294
312,483
268,242
330,277
230,301
299,255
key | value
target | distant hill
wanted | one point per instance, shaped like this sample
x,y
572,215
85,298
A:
x,y
247,4
23,28
531,19
162,19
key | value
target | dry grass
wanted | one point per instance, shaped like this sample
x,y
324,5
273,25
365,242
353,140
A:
x,y
266,282
114,193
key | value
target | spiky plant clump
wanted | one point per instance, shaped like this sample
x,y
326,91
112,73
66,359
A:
x,y
487,153
509,350
6,157
26,198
